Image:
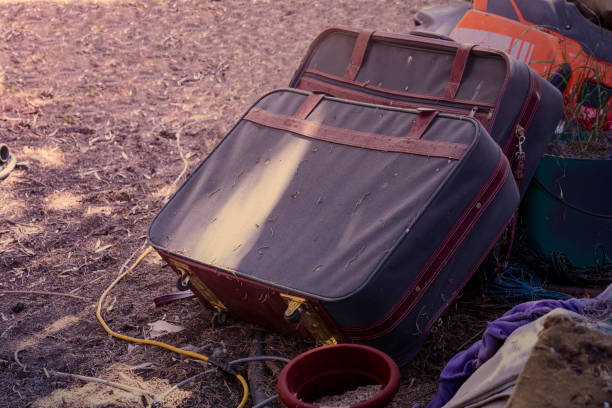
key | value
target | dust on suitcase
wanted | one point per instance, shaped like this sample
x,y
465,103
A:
x,y
339,220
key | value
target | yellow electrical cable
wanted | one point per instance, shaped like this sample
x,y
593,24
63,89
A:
x,y
245,386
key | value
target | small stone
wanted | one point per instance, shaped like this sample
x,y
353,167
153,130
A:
x,y
18,308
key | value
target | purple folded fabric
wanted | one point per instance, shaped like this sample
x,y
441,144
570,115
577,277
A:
x,y
464,363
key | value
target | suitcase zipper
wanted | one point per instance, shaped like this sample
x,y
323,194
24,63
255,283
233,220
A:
x,y
430,271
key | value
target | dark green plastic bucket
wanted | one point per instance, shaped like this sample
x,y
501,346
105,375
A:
x,y
568,209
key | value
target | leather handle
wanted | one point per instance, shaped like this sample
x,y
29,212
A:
x,y
359,50
308,105
457,70
421,123
419,126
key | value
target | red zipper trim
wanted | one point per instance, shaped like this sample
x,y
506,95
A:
x,y
430,271
452,297
315,85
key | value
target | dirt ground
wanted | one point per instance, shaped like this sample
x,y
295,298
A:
x,y
104,104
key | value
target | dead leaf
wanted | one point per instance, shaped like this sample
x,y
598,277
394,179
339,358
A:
x,y
161,327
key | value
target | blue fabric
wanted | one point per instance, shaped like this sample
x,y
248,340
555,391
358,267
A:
x,y
463,364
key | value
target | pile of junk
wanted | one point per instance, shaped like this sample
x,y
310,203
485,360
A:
x,y
352,207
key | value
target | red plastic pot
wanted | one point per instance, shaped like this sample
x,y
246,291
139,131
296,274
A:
x,y
330,370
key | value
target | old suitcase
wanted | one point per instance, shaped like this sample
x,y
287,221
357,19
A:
x,y
339,220
518,107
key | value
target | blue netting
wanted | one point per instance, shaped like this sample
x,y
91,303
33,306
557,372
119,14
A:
x,y
518,282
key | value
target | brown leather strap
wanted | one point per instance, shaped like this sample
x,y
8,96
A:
x,y
356,138
459,64
361,45
308,105
421,123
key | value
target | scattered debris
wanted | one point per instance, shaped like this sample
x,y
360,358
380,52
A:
x,y
161,328
40,292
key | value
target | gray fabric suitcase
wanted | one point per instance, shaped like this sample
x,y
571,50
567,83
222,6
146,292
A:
x,y
339,220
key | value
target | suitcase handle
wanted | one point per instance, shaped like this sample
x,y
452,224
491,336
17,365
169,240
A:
x,y
457,69
420,124
359,50
308,105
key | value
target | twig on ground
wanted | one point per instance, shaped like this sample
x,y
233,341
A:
x,y
185,162
143,366
17,391
127,261
20,223
7,329
178,144
95,280
40,292
19,362
123,387
25,250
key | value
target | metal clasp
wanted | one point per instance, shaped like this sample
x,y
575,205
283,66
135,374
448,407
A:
x,y
520,135
299,311
198,285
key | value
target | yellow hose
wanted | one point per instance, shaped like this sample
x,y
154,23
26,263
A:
x,y
245,387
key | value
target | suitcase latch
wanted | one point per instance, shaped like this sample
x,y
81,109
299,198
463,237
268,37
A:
x,y
301,312
198,285
520,135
